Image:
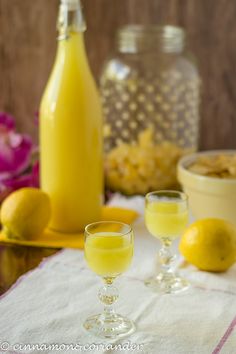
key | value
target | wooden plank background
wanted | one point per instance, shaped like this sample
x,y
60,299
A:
x,y
27,48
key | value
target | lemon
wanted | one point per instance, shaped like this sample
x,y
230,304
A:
x,y
209,244
25,213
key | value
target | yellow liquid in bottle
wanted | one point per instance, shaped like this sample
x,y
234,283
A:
x,y
166,219
71,140
108,254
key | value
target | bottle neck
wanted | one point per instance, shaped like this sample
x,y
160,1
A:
x,y
71,26
70,20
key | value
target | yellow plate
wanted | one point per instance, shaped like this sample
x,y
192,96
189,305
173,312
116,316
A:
x,y
52,239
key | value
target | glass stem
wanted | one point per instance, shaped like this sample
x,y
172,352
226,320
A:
x,y
108,295
166,258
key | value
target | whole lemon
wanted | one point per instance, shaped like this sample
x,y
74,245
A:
x,y
25,213
209,244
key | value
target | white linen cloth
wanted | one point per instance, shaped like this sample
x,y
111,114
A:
x,y
49,304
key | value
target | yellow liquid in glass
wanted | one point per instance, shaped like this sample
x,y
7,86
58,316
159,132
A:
x,y
108,254
166,219
71,140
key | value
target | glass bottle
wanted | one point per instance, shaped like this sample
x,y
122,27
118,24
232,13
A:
x,y
150,89
71,130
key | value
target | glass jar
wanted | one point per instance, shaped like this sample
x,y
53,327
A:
x,y
150,92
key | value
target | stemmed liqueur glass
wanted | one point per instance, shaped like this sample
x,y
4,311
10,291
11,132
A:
x,y
166,217
109,250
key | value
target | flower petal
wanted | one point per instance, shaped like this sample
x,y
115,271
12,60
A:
x,y
7,122
15,159
35,174
30,179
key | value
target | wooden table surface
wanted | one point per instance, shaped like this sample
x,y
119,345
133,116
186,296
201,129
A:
x,y
17,260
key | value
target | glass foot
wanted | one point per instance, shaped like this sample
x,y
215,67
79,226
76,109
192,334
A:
x,y
167,283
115,326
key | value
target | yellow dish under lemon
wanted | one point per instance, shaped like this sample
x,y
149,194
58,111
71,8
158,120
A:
x,y
51,239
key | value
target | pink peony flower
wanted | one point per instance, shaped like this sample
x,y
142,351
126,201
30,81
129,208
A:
x,y
16,151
